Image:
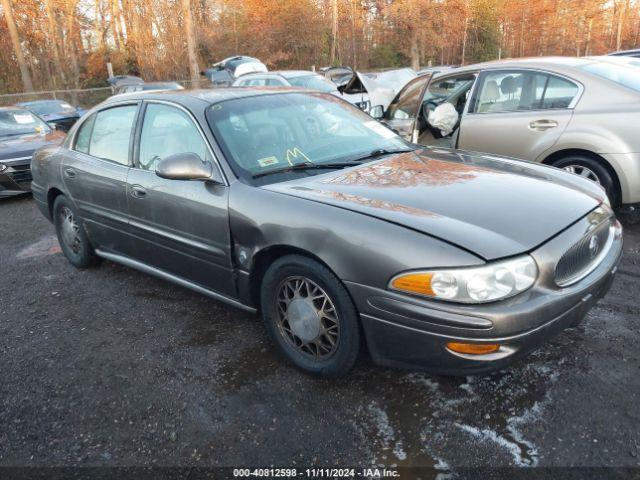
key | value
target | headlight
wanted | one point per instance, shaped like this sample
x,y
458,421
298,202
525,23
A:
x,y
3,167
490,282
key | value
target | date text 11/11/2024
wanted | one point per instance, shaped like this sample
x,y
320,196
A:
x,y
316,472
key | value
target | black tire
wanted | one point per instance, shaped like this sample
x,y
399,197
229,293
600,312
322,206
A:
x,y
347,345
602,173
80,252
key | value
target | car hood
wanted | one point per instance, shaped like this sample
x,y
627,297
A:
x,y
25,145
491,206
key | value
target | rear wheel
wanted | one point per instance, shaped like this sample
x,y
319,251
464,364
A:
x,y
310,316
591,169
71,235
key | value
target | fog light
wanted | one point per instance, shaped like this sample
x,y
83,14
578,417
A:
x,y
473,348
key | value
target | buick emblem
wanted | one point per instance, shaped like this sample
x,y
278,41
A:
x,y
594,246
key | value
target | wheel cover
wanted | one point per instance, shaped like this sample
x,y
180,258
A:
x,y
307,318
70,231
583,171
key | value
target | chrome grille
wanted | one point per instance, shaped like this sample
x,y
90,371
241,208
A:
x,y
583,257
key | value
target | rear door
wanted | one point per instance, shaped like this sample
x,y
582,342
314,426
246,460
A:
x,y
518,113
402,113
95,174
181,226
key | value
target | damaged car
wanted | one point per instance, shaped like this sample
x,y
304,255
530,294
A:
x,y
547,110
376,88
341,234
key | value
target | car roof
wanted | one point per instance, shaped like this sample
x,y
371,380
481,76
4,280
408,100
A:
x,y
625,52
208,96
282,73
561,65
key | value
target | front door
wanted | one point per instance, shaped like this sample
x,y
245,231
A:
x,y
95,174
182,226
517,113
402,114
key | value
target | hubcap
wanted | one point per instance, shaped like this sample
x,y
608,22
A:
x,y
70,230
583,172
307,318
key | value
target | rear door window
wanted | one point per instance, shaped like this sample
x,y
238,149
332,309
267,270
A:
x,y
515,91
111,134
84,135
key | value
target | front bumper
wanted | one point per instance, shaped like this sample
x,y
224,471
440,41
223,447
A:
x,y
410,332
15,179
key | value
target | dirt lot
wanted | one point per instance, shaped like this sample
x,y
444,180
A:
x,y
109,366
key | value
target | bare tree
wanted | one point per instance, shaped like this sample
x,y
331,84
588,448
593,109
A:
x,y
17,48
191,39
334,30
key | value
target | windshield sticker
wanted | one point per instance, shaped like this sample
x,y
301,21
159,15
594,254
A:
x,y
266,161
22,118
380,129
294,154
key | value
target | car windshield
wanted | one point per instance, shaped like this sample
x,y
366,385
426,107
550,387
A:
x,y
627,76
272,132
20,122
314,82
46,108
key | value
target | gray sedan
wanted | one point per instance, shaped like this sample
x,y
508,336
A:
x,y
340,233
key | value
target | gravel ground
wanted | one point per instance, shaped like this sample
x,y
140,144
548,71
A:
x,y
111,367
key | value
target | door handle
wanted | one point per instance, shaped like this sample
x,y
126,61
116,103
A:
x,y
542,125
138,191
69,172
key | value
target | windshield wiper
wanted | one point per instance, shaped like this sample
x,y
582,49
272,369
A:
x,y
380,152
305,166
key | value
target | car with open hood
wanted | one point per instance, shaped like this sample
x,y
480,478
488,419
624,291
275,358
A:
x,y
547,109
21,133
340,233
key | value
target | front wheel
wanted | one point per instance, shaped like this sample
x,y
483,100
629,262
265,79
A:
x,y
71,235
310,316
591,169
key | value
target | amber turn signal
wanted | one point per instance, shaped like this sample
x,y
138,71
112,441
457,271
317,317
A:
x,y
414,283
473,348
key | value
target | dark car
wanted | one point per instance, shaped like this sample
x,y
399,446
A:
x,y
627,53
224,72
21,133
55,112
300,206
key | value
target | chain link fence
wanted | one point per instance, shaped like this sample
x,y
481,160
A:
x,y
84,97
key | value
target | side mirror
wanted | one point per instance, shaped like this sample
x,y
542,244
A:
x,y
187,166
376,112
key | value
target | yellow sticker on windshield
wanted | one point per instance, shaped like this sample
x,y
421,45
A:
x,y
294,154
266,161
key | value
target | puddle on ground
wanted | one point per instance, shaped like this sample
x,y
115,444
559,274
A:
x,y
45,246
416,420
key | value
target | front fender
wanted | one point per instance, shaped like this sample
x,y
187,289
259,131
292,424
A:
x,y
356,247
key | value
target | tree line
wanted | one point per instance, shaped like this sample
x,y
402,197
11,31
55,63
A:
x,y
62,44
